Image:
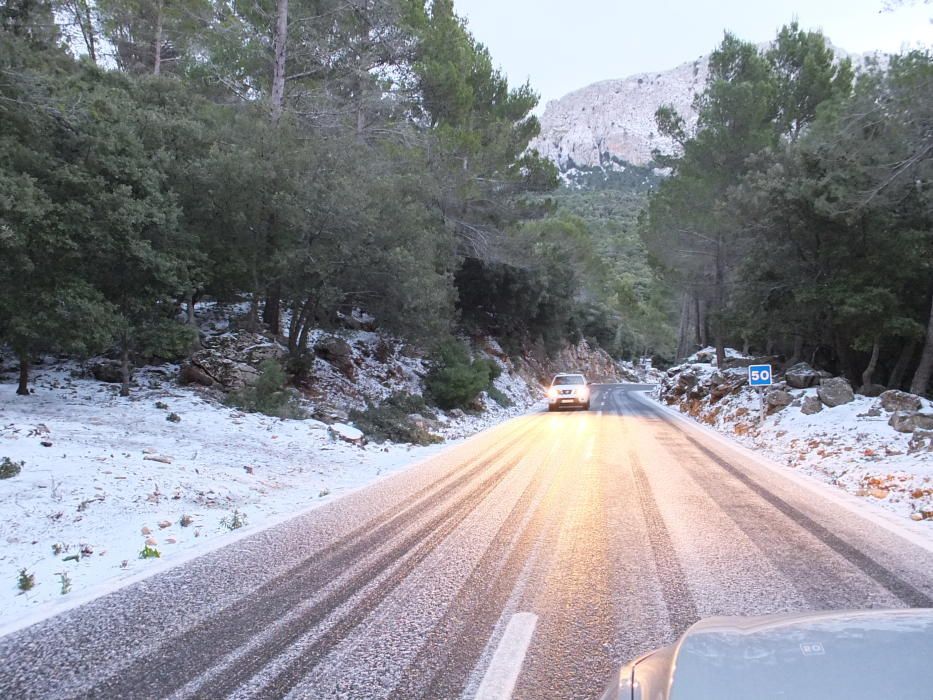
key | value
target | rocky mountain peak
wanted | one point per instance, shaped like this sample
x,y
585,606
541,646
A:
x,y
611,123
614,119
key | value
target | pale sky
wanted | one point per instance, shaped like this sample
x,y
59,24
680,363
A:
x,y
563,45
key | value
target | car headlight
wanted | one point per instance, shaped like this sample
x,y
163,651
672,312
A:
x,y
552,393
584,393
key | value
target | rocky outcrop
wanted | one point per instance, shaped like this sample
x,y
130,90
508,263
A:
x,y
811,405
110,371
594,362
836,392
907,415
615,118
612,123
801,376
337,352
895,400
778,400
230,361
723,384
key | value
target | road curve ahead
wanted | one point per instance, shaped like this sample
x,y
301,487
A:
x,y
529,560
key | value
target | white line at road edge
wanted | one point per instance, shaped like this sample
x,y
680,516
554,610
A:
x,y
506,664
888,521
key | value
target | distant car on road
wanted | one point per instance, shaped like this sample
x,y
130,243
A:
x,y
846,655
568,390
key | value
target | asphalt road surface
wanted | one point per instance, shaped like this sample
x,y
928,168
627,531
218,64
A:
x,y
531,560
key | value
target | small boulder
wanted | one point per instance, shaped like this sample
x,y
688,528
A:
x,y
902,422
192,374
687,380
778,400
744,362
894,400
923,421
110,371
347,433
337,352
836,392
871,390
801,376
811,405
421,422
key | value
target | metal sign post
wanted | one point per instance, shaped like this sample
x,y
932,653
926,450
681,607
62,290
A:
x,y
760,376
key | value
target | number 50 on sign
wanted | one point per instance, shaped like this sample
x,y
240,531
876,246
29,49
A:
x,y
759,375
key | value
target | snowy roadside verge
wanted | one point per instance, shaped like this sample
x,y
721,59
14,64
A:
x,y
918,533
853,446
106,480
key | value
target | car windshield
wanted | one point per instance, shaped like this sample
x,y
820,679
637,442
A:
x,y
569,379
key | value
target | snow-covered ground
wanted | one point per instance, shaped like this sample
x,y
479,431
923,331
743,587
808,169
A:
x,y
105,477
851,446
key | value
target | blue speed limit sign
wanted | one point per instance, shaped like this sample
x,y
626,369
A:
x,y
759,375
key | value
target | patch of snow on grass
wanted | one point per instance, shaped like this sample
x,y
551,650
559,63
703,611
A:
x,y
117,474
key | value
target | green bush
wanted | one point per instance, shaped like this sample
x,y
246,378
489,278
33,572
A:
x,y
268,395
9,468
455,380
500,398
390,420
25,581
165,339
148,552
235,521
495,371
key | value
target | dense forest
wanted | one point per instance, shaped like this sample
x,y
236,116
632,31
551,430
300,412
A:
x,y
316,156
311,156
798,220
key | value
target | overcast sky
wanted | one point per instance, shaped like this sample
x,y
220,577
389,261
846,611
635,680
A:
x,y
562,45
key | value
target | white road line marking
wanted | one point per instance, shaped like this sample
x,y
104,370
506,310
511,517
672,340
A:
x,y
506,664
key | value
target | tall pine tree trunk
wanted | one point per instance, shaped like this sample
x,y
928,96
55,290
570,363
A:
x,y
82,10
798,351
280,48
272,309
157,47
869,374
125,367
921,378
903,362
720,304
684,326
23,388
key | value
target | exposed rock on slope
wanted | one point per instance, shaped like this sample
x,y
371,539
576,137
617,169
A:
x,y
615,118
611,123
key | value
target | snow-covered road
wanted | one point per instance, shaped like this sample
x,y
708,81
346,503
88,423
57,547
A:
x,y
591,536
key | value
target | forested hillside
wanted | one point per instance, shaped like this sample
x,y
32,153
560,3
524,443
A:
x,y
799,217
310,156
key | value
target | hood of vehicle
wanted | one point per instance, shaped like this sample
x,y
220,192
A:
x,y
861,654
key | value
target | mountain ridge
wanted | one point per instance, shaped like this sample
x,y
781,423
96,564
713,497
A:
x,y
610,123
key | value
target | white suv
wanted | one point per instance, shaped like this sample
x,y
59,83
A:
x,y
568,390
